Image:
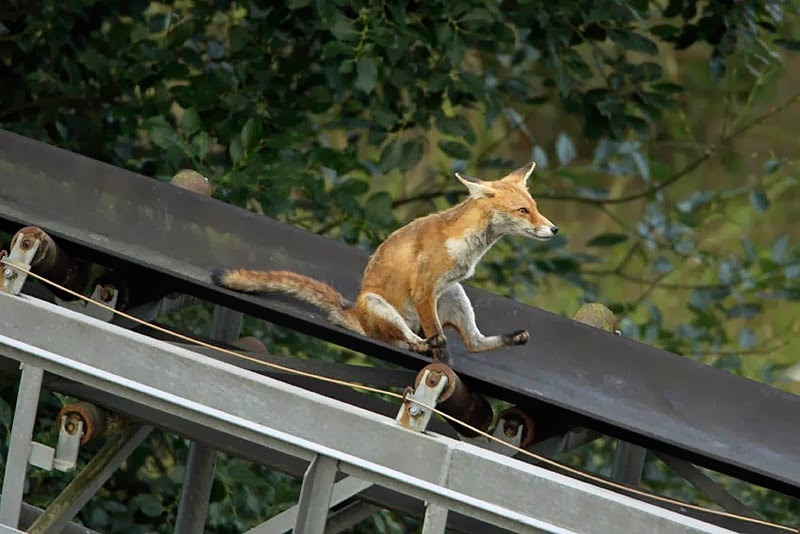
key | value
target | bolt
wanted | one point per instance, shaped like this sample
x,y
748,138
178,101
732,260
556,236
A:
x,y
8,273
26,243
414,410
105,294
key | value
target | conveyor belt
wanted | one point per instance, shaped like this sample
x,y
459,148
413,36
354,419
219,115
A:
x,y
618,386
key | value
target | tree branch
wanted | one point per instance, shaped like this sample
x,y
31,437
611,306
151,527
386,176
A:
x,y
691,167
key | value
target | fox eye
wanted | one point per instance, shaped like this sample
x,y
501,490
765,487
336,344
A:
x,y
523,210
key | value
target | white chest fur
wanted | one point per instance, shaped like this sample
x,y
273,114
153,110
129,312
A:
x,y
466,252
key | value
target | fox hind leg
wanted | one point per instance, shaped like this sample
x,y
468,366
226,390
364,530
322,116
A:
x,y
455,309
384,322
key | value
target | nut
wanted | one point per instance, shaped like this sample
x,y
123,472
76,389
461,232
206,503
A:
x,y
9,273
414,410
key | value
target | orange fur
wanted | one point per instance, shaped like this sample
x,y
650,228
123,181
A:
x,y
411,281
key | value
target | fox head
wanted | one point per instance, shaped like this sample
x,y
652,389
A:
x,y
513,209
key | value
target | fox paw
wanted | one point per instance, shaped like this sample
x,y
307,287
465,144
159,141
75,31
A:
x,y
436,341
516,338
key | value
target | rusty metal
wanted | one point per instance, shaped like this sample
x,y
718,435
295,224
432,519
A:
x,y
511,419
458,400
52,262
97,422
250,344
193,181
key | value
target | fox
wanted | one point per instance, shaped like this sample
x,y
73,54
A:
x,y
411,285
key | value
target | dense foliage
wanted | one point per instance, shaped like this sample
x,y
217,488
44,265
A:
x,y
349,118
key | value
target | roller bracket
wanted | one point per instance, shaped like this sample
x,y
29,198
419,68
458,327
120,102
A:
x,y
430,386
107,295
23,251
65,455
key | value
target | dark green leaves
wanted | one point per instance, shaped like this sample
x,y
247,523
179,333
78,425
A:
x,y
190,122
367,70
455,149
632,41
607,240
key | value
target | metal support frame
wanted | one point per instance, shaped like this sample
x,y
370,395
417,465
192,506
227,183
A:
x,y
201,461
30,385
706,485
435,519
349,516
628,463
345,489
489,487
87,483
315,496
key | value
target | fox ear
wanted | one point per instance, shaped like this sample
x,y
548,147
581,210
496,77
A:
x,y
522,174
477,188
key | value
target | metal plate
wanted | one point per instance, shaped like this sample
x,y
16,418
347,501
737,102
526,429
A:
x,y
639,393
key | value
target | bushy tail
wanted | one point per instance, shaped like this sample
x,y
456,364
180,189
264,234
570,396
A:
x,y
340,311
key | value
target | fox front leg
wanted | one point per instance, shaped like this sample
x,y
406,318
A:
x,y
425,305
455,309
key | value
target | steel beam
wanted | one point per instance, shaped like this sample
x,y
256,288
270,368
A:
x,y
485,485
435,519
284,521
201,461
706,485
349,516
315,496
628,463
83,487
30,386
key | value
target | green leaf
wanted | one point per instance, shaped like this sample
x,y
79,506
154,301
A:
x,y
789,44
792,271
745,311
759,201
633,41
201,144
780,248
456,126
771,166
163,136
565,149
367,74
378,208
190,122
235,150
218,491
455,149
297,4
662,265
607,240
149,504
747,339
410,153
251,133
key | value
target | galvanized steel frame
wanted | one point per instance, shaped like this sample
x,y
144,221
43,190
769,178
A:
x,y
448,473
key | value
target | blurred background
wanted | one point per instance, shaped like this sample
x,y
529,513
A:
x,y
664,132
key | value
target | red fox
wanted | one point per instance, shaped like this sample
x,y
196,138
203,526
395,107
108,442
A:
x,y
410,287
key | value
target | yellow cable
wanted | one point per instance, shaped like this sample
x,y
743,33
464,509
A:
x,y
543,459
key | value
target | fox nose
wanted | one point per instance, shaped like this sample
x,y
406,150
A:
x,y
554,229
